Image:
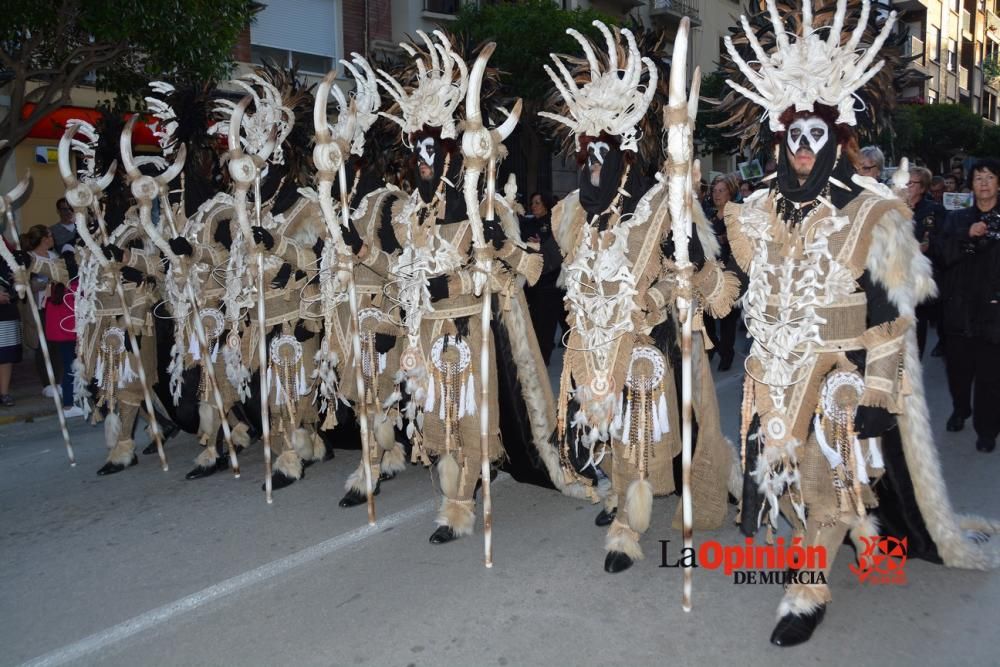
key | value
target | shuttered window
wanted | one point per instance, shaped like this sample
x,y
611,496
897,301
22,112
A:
x,y
304,31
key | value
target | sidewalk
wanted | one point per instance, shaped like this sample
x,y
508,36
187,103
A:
x,y
27,392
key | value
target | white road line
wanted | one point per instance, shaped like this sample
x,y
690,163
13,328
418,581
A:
x,y
160,615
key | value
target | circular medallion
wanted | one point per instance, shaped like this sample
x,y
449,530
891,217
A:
x,y
213,322
841,392
775,428
449,351
113,341
602,385
409,360
286,351
646,369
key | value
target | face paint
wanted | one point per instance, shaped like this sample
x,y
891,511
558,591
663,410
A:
x,y
425,150
596,152
811,133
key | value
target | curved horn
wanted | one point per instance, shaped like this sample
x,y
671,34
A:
x,y
510,123
693,98
104,181
320,119
125,145
235,121
595,67
435,61
472,111
175,169
678,65
19,189
269,145
833,39
68,175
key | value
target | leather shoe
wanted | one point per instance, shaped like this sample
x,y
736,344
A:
x,y
725,361
386,476
200,472
617,561
442,535
149,449
986,444
110,468
604,518
793,629
353,498
280,480
955,423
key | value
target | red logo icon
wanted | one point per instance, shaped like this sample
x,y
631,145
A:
x,y
882,562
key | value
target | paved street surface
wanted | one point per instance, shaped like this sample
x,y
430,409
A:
x,y
145,568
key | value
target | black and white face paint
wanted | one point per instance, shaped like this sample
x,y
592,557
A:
x,y
426,149
596,152
811,133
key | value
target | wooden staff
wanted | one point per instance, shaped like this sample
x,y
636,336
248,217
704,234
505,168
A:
x,y
481,148
679,117
24,287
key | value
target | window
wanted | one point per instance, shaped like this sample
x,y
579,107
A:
x,y
297,31
934,44
989,105
932,97
442,6
952,58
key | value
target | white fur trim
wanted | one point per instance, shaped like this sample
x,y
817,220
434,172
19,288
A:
x,y
448,473
623,539
112,429
289,464
459,515
394,460
241,435
208,423
302,444
804,599
207,458
639,505
122,452
384,434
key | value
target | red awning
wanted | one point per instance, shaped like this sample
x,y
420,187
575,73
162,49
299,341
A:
x,y
53,125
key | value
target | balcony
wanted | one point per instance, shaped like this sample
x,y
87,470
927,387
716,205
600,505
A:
x,y
674,10
442,8
909,6
966,24
963,79
914,47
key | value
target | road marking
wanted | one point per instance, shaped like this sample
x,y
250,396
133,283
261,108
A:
x,y
160,615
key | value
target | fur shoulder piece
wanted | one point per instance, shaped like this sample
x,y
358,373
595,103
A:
x,y
564,215
706,234
894,259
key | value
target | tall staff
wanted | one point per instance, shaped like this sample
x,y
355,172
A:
x,y
679,118
24,287
481,148
329,156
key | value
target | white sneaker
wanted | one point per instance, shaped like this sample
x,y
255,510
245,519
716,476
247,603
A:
x,y
52,391
74,411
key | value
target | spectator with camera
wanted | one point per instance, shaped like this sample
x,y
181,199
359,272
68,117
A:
x,y
971,296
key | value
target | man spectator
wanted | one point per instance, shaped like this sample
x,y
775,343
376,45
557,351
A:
x,y
64,231
971,250
937,189
872,162
950,184
928,216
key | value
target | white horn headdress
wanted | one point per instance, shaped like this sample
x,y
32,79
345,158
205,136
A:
x,y
615,99
811,68
439,90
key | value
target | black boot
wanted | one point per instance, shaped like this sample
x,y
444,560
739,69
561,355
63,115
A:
x,y
726,360
617,561
956,422
986,444
604,518
110,468
353,498
442,535
200,472
280,480
793,629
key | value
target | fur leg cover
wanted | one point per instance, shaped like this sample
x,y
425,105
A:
x,y
122,452
356,481
208,422
112,429
962,541
303,445
639,505
622,538
289,464
448,473
385,436
804,599
394,460
459,515
318,447
241,435
207,458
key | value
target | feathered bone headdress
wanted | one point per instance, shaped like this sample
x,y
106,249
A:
x,y
614,100
811,69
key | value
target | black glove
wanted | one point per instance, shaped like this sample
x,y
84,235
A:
x,y
872,422
132,275
22,257
262,236
180,246
696,254
281,279
351,237
384,342
69,259
493,233
301,333
318,247
438,287
113,252
223,235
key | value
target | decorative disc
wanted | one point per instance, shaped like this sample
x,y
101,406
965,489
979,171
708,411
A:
x,y
841,392
286,351
449,350
113,341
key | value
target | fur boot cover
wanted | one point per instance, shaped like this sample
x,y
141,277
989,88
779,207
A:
x,y
208,422
241,435
122,452
622,538
289,464
318,447
639,505
804,599
459,515
356,480
448,473
207,458
394,460
112,429
962,541
303,445
385,436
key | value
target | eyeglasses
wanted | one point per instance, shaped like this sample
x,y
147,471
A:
x,y
868,167
913,183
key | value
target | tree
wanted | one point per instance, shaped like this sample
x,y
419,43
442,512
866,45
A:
x,y
48,48
989,145
947,129
712,139
526,33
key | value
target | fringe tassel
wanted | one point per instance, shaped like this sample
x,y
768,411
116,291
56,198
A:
x,y
628,421
833,457
859,463
193,349
470,395
875,455
381,362
215,350
444,398
657,433
661,407
429,403
302,388
99,371
616,423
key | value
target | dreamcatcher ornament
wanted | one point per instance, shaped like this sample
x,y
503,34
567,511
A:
x,y
452,385
834,427
641,417
286,373
236,371
114,366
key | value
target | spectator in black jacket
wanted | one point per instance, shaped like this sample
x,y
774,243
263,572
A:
x,y
545,298
971,251
928,217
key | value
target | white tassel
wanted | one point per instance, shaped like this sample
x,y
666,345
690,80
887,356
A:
x,y
832,456
875,455
193,349
470,395
628,422
128,375
859,463
302,388
461,403
215,351
429,403
278,388
381,362
616,423
99,370
444,399
269,380
657,433
661,407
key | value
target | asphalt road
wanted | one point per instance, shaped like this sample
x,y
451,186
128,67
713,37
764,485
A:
x,y
145,568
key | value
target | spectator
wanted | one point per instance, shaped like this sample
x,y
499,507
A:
x,y
745,189
38,240
972,308
928,217
872,162
10,332
722,332
64,232
60,330
950,184
937,189
959,175
545,298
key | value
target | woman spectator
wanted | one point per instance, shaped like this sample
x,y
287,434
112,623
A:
x,y
10,333
38,240
724,190
545,298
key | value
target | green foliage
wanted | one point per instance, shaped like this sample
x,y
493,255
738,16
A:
x,y
989,145
991,68
526,32
710,139
908,133
947,129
